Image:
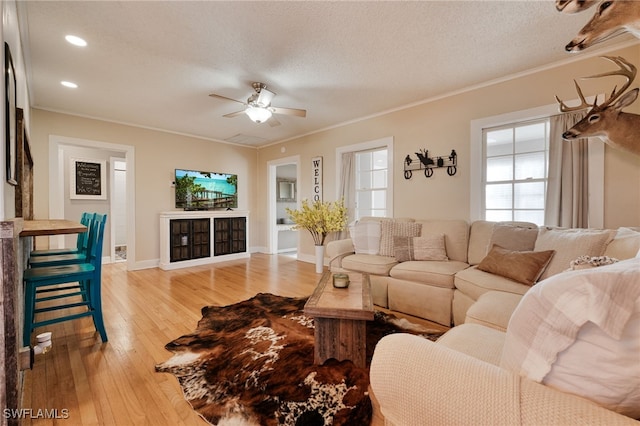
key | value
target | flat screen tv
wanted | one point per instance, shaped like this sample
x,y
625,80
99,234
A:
x,y
205,190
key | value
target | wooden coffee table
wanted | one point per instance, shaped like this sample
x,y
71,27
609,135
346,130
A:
x,y
340,316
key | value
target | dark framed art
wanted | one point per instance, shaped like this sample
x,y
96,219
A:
x,y
10,116
87,179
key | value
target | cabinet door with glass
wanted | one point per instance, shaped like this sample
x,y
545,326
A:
x,y
230,235
189,239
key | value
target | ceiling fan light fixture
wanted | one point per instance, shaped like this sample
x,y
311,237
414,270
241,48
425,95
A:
x,y
258,114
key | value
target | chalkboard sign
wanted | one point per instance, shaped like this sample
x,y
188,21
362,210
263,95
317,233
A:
x,y
88,179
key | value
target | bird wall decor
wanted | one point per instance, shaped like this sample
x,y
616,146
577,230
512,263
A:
x,y
426,163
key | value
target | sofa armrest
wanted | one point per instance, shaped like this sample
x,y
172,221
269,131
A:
x,y
418,382
337,250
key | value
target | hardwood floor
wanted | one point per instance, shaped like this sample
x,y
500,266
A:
x,y
85,382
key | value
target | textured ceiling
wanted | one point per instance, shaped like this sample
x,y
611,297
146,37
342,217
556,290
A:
x,y
153,64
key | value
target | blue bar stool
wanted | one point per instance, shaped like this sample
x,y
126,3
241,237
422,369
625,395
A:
x,y
80,243
80,256
82,279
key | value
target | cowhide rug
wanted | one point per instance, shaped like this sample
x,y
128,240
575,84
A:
x,y
251,363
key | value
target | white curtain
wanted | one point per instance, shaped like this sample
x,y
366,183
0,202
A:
x,y
567,201
347,187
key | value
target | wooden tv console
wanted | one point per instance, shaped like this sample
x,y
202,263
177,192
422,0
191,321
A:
x,y
192,238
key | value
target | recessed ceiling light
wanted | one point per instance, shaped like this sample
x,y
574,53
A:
x,y
75,40
69,84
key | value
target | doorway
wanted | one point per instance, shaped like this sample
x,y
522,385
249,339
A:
x,y
118,172
282,239
59,203
286,197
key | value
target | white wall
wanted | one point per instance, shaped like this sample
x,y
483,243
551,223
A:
x,y
11,35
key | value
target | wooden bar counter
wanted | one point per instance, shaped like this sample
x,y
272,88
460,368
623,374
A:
x,y
33,228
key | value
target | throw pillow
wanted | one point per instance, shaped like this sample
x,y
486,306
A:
x,y
429,247
587,262
613,363
569,244
516,238
579,332
403,248
522,266
393,228
366,236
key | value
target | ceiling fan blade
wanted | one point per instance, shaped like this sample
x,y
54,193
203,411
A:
x,y
213,95
234,114
273,122
289,111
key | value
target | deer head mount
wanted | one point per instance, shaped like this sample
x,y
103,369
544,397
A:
x,y
612,18
618,129
574,6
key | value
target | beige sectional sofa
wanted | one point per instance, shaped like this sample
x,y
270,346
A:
x,y
446,291
547,321
569,356
417,382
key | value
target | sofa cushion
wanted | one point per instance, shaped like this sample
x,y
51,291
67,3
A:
x,y
482,343
522,266
579,332
393,228
370,263
569,244
456,236
624,245
421,300
474,283
479,237
435,273
493,309
512,237
365,236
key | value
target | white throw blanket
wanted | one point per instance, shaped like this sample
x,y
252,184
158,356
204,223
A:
x,y
547,320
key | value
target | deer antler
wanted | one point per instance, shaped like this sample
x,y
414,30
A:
x,y
583,102
625,69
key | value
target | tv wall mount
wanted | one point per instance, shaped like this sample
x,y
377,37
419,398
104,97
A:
x,y
422,161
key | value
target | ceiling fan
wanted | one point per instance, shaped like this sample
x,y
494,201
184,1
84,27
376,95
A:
x,y
258,106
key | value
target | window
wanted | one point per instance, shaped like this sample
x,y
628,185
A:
x,y
364,178
515,169
371,183
477,165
